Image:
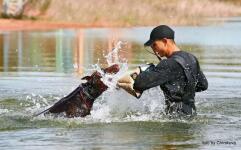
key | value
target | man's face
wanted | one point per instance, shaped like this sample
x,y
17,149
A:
x,y
159,47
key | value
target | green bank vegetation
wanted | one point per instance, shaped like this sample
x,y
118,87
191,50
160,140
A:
x,y
132,12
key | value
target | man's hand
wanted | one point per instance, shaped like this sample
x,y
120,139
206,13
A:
x,y
127,82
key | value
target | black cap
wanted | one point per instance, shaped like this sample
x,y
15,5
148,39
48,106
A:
x,y
160,32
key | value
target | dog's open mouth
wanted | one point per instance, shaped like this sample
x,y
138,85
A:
x,y
80,101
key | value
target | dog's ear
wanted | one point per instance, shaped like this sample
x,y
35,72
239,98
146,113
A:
x,y
87,78
95,75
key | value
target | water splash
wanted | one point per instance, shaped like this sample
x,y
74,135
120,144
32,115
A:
x,y
116,105
113,57
2,111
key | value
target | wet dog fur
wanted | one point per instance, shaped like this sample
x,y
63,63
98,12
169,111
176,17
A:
x,y
80,101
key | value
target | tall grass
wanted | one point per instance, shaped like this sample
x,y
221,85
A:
x,y
133,12
1,2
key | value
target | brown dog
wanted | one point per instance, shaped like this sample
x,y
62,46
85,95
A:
x,y
79,102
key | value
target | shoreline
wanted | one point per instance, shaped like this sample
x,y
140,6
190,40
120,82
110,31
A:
x,y
50,14
25,25
15,25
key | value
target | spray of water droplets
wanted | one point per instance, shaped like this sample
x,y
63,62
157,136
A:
x,y
116,105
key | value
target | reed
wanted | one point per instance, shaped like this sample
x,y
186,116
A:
x,y
133,12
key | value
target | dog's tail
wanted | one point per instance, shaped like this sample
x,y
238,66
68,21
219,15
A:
x,y
46,110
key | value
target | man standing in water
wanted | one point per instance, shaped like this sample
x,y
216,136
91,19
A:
x,y
179,75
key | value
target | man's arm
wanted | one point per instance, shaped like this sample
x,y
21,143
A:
x,y
155,75
202,82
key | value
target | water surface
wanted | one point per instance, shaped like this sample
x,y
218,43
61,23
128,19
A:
x,y
39,67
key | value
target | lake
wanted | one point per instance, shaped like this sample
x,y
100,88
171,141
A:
x,y
39,67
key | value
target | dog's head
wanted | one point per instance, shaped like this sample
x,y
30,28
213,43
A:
x,y
94,83
73,104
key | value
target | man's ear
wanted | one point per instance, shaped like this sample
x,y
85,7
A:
x,y
164,40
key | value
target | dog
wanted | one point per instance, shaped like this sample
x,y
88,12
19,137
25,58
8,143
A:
x,y
80,101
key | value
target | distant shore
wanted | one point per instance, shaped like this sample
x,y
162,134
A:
x,y
13,25
51,14
16,25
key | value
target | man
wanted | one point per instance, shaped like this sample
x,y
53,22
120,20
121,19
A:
x,y
179,75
